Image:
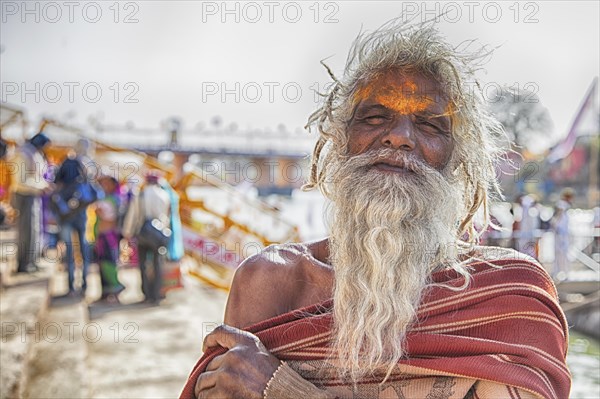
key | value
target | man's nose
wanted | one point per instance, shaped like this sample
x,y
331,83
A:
x,y
400,136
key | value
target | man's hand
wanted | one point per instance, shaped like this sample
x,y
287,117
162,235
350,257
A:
x,y
241,372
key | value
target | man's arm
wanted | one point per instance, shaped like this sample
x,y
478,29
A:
x,y
248,369
28,181
258,292
59,177
132,222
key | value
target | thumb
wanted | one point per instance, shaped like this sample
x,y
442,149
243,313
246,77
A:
x,y
228,337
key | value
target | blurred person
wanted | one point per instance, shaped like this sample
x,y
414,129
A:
x,y
4,172
6,211
28,186
515,211
399,300
50,224
127,193
526,240
560,225
71,198
108,237
153,218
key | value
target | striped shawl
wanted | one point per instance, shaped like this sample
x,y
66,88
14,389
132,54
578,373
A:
x,y
503,336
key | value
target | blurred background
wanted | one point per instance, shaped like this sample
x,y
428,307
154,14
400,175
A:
x,y
211,98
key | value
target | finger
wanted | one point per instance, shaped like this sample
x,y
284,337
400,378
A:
x,y
228,337
205,381
215,363
214,393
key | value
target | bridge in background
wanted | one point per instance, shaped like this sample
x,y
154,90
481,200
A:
x,y
273,161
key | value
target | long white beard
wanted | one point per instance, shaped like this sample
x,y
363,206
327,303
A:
x,y
388,233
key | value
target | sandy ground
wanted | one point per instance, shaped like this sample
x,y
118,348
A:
x,y
128,350
149,351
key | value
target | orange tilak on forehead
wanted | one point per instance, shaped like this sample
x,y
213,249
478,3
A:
x,y
405,98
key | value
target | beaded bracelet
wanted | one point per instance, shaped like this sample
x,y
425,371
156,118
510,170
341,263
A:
x,y
271,379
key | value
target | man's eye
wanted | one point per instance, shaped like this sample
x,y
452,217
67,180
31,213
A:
x,y
375,120
427,124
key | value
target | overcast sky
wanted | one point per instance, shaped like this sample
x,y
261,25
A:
x,y
143,61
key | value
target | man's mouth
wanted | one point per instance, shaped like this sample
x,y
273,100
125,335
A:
x,y
386,167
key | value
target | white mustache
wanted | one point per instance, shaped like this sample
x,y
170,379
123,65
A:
x,y
391,157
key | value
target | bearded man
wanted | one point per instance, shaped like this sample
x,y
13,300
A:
x,y
399,301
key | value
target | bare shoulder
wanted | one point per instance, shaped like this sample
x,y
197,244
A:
x,y
267,284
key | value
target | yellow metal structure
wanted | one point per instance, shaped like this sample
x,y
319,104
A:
x,y
223,226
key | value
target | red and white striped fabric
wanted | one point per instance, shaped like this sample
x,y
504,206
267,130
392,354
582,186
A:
x,y
503,336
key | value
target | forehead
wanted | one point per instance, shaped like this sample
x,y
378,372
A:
x,y
404,93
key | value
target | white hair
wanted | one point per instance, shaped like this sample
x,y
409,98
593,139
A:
x,y
419,48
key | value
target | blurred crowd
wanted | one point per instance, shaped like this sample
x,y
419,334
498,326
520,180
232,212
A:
x,y
91,216
526,224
